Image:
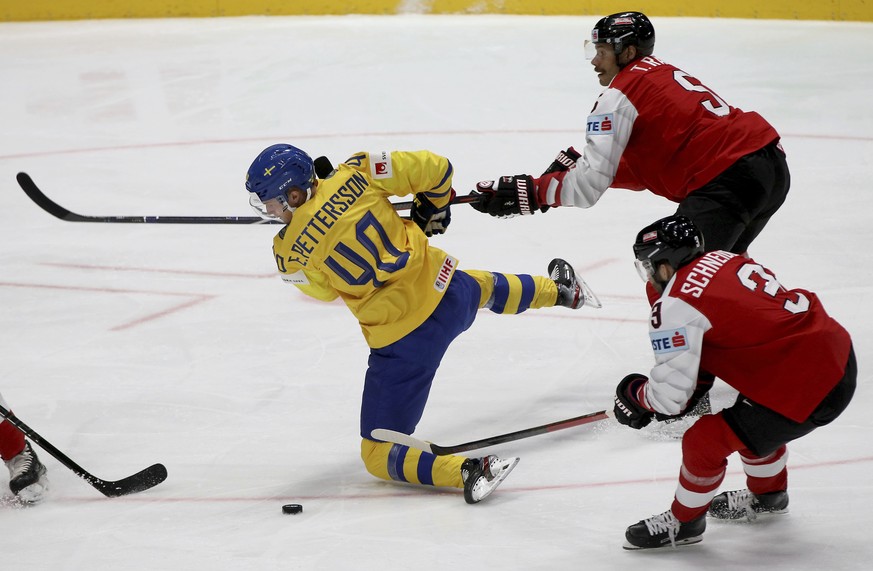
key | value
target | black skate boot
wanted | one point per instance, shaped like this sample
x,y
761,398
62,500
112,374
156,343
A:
x,y
27,476
481,476
664,530
741,504
573,292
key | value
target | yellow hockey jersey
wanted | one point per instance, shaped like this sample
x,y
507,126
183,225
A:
x,y
348,241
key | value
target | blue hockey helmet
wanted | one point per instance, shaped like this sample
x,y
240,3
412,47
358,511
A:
x,y
674,240
278,169
625,29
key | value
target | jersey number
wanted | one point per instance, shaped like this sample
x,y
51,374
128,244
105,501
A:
x,y
656,315
368,271
713,103
770,286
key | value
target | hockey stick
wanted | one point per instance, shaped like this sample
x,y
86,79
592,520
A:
x,y
31,190
38,196
459,199
150,477
412,442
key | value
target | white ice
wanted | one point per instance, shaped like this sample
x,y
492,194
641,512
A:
x,y
126,345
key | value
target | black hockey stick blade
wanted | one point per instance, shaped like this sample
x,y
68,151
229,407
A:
x,y
412,442
38,196
142,480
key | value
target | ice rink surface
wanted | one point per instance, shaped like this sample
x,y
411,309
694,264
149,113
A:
x,y
125,345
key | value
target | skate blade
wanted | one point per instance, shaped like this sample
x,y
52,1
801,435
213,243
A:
x,y
591,298
687,541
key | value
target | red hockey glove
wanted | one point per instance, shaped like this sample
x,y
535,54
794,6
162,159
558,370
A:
x,y
553,177
509,196
565,161
629,409
522,194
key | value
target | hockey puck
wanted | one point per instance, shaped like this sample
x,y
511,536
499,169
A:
x,y
292,509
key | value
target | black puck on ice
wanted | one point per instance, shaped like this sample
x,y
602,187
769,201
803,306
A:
x,y
292,509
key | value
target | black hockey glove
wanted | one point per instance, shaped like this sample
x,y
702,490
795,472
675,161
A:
x,y
704,383
428,217
564,161
323,167
628,408
509,196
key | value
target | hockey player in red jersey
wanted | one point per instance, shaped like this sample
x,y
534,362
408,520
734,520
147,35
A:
x,y
656,127
724,315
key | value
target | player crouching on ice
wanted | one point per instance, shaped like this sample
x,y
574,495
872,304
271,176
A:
x,y
344,239
724,315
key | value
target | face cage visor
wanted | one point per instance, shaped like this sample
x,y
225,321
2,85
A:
x,y
261,208
617,43
645,268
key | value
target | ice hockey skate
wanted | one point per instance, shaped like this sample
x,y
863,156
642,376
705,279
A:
x,y
573,292
27,478
481,476
664,530
743,504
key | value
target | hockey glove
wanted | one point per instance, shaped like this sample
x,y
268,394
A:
x,y
629,409
704,383
509,196
323,167
428,217
565,161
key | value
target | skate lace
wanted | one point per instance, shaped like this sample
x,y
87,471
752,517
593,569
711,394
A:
x,y
20,464
741,500
665,522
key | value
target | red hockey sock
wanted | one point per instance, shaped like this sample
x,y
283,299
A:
x,y
768,473
705,448
11,441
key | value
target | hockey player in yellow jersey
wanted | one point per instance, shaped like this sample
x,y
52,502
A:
x,y
343,238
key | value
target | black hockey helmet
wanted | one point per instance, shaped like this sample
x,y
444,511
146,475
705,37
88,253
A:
x,y
674,239
625,29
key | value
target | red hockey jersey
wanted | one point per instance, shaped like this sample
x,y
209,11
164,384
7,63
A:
x,y
729,315
656,127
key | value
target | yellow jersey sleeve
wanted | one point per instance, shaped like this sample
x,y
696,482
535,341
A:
x,y
347,241
401,173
